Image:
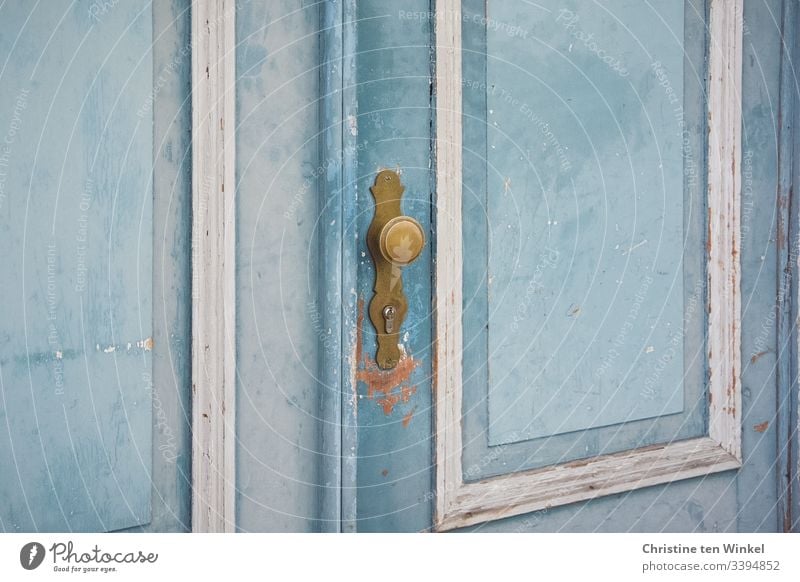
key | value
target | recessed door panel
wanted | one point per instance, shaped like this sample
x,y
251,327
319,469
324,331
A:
x,y
583,229
76,202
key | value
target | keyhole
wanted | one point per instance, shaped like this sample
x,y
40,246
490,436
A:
x,y
388,316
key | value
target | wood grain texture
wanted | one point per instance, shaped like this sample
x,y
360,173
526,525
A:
x,y
448,289
214,245
458,503
756,481
787,267
538,489
791,481
724,224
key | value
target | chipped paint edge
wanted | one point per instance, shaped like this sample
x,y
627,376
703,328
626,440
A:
x,y
213,266
785,422
447,366
724,214
460,504
350,253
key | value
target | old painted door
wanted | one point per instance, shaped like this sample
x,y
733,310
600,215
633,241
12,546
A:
x,y
94,216
591,342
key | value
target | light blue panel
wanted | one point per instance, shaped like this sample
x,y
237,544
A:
x,y
280,332
762,350
172,276
683,355
585,214
393,128
76,225
744,500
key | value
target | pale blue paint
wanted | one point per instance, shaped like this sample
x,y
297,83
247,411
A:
x,y
393,124
281,330
297,432
585,216
743,500
172,277
566,333
735,501
76,208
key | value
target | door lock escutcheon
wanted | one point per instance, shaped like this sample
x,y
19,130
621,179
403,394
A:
x,y
394,241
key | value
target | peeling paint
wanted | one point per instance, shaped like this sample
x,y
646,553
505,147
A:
x,y
387,388
634,247
145,344
761,427
407,418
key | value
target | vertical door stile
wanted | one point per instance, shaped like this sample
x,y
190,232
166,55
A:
x,y
447,370
350,260
213,266
787,226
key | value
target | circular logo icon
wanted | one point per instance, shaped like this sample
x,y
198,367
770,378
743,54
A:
x,y
31,555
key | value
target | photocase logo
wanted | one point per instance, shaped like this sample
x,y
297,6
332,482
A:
x,y
32,555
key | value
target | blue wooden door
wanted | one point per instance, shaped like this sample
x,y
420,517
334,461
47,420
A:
x,y
591,341
93,196
598,329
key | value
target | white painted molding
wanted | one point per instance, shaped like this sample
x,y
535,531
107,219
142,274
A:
x,y
213,264
448,290
460,504
724,206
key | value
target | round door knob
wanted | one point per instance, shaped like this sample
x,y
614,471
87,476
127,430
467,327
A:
x,y
401,240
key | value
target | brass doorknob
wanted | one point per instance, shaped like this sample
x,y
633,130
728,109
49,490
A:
x,y
394,241
401,240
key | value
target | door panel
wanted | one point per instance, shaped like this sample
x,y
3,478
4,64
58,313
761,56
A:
x,y
604,252
281,330
598,240
582,175
394,407
664,141
77,226
172,269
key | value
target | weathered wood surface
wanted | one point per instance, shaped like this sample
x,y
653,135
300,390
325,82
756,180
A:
x,y
213,266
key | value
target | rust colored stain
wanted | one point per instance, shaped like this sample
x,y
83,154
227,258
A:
x,y
757,356
407,418
387,387
761,427
385,472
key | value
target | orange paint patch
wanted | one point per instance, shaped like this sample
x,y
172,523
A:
x,y
407,418
387,387
761,427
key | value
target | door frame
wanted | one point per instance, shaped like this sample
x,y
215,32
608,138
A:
x,y
460,503
213,47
